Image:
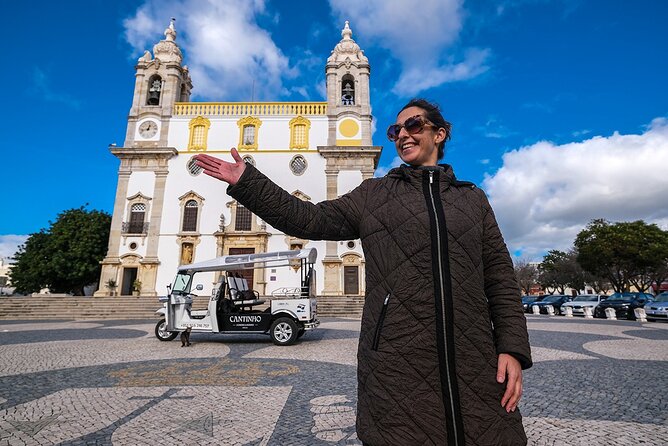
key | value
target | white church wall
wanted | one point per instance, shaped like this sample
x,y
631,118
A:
x,y
140,242
140,182
348,180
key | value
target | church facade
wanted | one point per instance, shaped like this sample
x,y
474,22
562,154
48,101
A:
x,y
166,214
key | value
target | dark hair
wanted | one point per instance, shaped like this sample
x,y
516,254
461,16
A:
x,y
434,115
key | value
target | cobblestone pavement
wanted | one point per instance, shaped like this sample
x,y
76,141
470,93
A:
x,y
594,382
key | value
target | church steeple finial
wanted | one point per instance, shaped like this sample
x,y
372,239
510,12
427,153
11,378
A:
x,y
346,32
347,48
170,32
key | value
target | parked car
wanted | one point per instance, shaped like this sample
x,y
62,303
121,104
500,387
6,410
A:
x,y
624,304
579,303
556,300
658,309
529,300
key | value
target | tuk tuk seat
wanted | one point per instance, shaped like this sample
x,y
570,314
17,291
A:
x,y
241,295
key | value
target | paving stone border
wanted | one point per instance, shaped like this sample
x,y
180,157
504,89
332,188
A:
x,y
111,382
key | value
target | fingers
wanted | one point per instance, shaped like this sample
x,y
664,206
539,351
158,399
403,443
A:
x,y
514,390
236,156
207,162
501,369
510,371
222,170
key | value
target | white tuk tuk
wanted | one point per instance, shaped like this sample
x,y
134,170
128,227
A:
x,y
232,306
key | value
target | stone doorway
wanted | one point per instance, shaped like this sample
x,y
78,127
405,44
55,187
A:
x,y
129,277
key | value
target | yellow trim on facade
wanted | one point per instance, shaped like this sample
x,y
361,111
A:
x,y
243,123
348,142
294,123
349,128
199,121
264,151
250,108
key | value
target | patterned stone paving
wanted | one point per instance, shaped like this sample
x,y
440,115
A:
x,y
111,382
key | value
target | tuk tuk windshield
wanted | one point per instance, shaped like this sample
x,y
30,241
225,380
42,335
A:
x,y
181,284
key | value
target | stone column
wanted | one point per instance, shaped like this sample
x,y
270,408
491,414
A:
x,y
148,274
111,262
332,262
367,173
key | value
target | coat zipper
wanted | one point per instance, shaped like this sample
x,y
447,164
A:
x,y
441,280
381,319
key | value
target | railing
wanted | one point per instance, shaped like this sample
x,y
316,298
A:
x,y
131,227
249,108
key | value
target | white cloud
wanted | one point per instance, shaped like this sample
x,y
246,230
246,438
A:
x,y
544,194
42,89
9,244
382,170
421,38
228,54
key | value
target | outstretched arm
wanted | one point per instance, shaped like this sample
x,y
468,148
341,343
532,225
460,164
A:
x,y
336,219
222,170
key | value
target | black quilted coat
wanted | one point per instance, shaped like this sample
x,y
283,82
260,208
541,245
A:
x,y
441,302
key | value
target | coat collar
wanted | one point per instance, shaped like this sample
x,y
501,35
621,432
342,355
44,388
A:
x,y
407,172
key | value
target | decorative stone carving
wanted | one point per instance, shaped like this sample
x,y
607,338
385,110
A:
x,y
347,51
167,49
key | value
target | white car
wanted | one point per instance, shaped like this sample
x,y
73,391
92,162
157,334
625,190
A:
x,y
658,309
579,303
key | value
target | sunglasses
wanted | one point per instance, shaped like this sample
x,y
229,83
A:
x,y
413,125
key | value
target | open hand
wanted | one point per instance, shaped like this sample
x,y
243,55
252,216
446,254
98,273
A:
x,y
510,367
223,170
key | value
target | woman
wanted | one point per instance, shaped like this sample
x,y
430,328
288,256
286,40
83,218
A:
x,y
443,339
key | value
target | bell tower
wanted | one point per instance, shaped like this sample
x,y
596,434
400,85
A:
x,y
349,146
160,81
348,103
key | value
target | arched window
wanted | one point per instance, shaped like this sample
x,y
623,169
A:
x,y
190,217
299,130
348,90
248,132
243,219
199,130
137,215
249,135
154,89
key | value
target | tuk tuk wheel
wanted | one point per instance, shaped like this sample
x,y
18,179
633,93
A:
x,y
162,333
284,331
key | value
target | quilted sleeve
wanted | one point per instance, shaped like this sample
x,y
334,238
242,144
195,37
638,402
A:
x,y
328,220
503,293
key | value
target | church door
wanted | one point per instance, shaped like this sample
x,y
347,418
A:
x,y
351,284
129,277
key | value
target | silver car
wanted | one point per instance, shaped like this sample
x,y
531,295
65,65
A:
x,y
658,308
579,303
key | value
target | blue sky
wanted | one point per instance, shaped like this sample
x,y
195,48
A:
x,y
559,108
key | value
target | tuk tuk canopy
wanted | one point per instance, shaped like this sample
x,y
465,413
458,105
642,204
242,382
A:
x,y
252,261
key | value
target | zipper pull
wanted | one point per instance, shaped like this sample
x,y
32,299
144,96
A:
x,y
431,177
387,298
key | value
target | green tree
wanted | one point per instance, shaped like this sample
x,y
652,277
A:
x,y
625,253
65,257
527,275
553,271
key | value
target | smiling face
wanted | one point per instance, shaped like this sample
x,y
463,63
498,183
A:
x,y
421,148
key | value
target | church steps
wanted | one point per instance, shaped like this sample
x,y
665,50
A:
x,y
130,307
